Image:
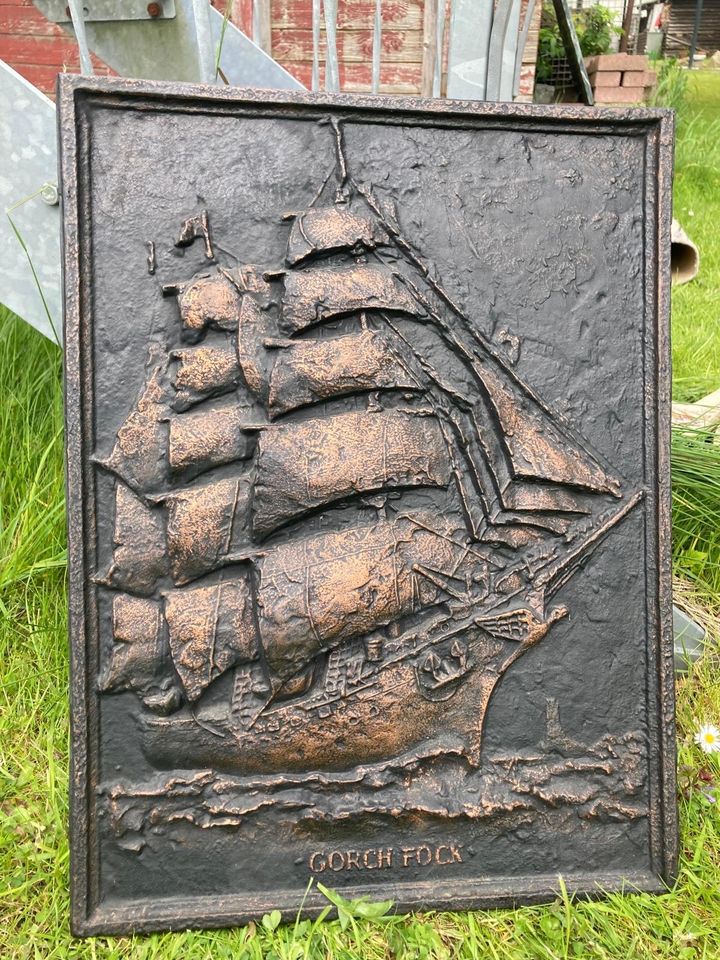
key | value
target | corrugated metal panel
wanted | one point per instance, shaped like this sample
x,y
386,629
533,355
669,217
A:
x,y
680,29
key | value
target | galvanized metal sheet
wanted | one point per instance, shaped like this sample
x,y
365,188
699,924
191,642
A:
x,y
29,225
368,506
109,10
185,48
470,28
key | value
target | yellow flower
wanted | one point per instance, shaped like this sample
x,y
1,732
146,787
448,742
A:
x,y
708,738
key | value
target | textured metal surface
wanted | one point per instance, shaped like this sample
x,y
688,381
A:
x,y
109,10
368,505
183,48
28,143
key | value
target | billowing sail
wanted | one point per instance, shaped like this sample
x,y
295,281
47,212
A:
x,y
312,594
139,455
204,372
331,230
211,300
200,523
315,592
210,628
185,534
140,546
307,371
139,657
324,292
372,451
209,437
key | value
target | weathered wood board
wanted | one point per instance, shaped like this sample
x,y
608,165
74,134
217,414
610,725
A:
x,y
368,489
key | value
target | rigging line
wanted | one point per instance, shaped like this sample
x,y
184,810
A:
x,y
612,484
232,517
444,536
240,284
439,406
563,568
318,192
214,629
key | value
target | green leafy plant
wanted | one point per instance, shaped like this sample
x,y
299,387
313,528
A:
x,y
351,910
595,30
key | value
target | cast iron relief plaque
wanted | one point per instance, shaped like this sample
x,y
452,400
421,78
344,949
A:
x,y
368,482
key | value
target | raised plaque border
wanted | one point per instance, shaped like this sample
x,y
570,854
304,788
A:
x,y
75,96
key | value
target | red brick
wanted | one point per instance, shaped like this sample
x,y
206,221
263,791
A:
x,y
606,78
638,78
619,95
616,61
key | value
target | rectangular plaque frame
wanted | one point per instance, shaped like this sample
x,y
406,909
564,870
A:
x,y
443,843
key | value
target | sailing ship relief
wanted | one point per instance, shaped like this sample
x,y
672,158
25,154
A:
x,y
340,515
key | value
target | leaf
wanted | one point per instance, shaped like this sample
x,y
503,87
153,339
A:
x,y
271,921
362,908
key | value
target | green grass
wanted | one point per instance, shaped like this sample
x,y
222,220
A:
x,y
696,306
33,686
696,335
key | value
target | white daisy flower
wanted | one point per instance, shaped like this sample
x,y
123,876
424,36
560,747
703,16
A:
x,y
708,738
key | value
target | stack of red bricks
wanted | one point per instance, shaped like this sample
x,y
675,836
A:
x,y
620,78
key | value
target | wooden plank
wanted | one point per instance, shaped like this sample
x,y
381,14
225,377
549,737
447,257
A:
x,y
352,15
357,77
48,51
354,46
28,21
